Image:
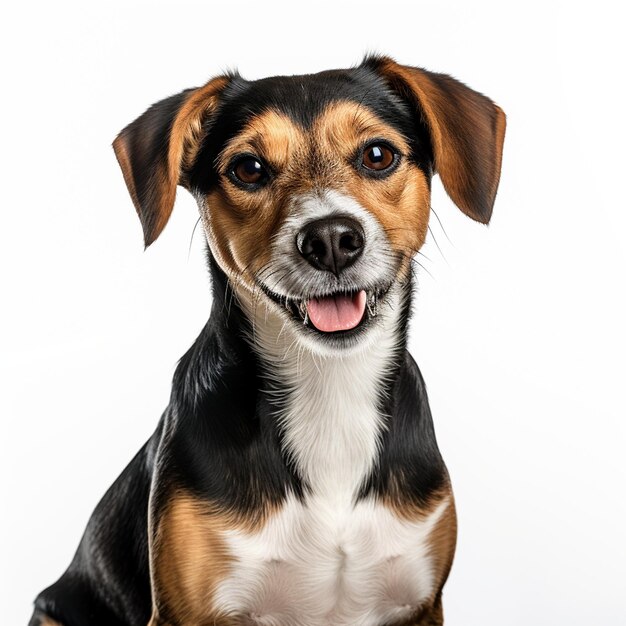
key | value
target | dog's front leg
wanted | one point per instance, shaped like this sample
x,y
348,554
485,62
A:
x,y
188,561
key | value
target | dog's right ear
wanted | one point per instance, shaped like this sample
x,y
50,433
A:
x,y
466,130
154,150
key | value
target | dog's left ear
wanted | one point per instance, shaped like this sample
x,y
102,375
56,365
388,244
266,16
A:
x,y
466,130
154,150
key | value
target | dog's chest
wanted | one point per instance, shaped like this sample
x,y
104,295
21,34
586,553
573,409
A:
x,y
329,558
327,562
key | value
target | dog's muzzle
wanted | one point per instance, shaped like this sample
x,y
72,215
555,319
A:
x,y
331,265
332,245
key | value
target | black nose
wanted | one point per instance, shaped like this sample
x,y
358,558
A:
x,y
331,244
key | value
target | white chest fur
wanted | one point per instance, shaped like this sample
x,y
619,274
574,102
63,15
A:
x,y
320,563
326,560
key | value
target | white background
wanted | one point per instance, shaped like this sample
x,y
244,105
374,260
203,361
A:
x,y
519,327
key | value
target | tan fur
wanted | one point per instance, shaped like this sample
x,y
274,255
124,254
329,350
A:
x,y
186,133
432,616
48,621
184,141
189,558
243,223
442,539
443,542
467,135
123,158
272,136
401,201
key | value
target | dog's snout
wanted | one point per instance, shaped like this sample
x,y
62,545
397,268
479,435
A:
x,y
331,244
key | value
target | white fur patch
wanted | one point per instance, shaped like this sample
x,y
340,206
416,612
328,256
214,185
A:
x,y
326,563
289,273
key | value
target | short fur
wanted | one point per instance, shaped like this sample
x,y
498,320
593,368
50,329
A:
x,y
294,478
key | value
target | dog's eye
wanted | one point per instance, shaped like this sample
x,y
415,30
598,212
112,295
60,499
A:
x,y
378,157
249,170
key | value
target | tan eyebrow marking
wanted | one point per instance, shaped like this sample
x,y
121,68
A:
x,y
273,136
345,126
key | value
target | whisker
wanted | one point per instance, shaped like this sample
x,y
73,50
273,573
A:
x,y
193,232
432,234
423,267
441,225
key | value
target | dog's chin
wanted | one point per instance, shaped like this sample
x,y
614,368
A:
x,y
333,321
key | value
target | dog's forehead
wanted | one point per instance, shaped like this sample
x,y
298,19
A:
x,y
304,98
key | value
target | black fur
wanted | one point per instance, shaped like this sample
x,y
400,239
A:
x,y
410,464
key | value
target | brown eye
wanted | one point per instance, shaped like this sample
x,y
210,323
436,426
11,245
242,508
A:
x,y
249,170
378,157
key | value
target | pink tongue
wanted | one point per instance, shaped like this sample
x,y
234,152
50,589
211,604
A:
x,y
336,312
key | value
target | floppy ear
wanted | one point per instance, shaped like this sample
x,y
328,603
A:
x,y
466,132
154,150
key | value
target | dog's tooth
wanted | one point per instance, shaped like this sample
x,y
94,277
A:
x,y
372,304
303,310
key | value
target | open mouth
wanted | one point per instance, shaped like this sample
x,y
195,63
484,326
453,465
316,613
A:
x,y
332,314
338,313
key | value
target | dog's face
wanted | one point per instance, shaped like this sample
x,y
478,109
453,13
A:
x,y
317,196
315,190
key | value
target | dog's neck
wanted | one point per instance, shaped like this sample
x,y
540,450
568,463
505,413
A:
x,y
285,419
329,403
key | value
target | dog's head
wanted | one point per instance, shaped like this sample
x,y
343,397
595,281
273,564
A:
x,y
315,190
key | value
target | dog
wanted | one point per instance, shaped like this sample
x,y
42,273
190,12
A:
x,y
294,478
